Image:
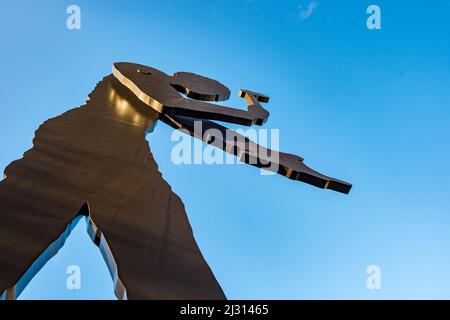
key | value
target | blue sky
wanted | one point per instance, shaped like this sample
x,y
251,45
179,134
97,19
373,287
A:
x,y
367,106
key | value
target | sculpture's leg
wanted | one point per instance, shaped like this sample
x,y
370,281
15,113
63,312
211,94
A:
x,y
32,230
151,240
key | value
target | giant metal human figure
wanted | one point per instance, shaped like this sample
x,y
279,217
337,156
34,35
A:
x,y
94,162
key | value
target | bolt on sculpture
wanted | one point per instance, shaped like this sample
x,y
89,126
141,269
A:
x,y
94,162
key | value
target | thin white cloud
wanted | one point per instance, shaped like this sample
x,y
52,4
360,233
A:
x,y
305,13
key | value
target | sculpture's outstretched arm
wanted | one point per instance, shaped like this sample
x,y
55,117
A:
x,y
288,165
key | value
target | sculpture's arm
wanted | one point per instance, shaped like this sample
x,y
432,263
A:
x,y
254,115
288,165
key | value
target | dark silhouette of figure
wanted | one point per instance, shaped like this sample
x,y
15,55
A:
x,y
94,162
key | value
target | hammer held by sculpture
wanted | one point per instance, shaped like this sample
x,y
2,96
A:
x,y
94,162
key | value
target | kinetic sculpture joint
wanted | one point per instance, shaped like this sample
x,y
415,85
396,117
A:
x,y
93,162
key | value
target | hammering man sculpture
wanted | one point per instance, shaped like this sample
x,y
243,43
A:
x,y
93,162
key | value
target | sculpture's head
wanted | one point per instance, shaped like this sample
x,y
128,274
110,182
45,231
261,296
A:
x,y
164,87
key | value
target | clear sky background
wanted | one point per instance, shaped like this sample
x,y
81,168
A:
x,y
368,106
